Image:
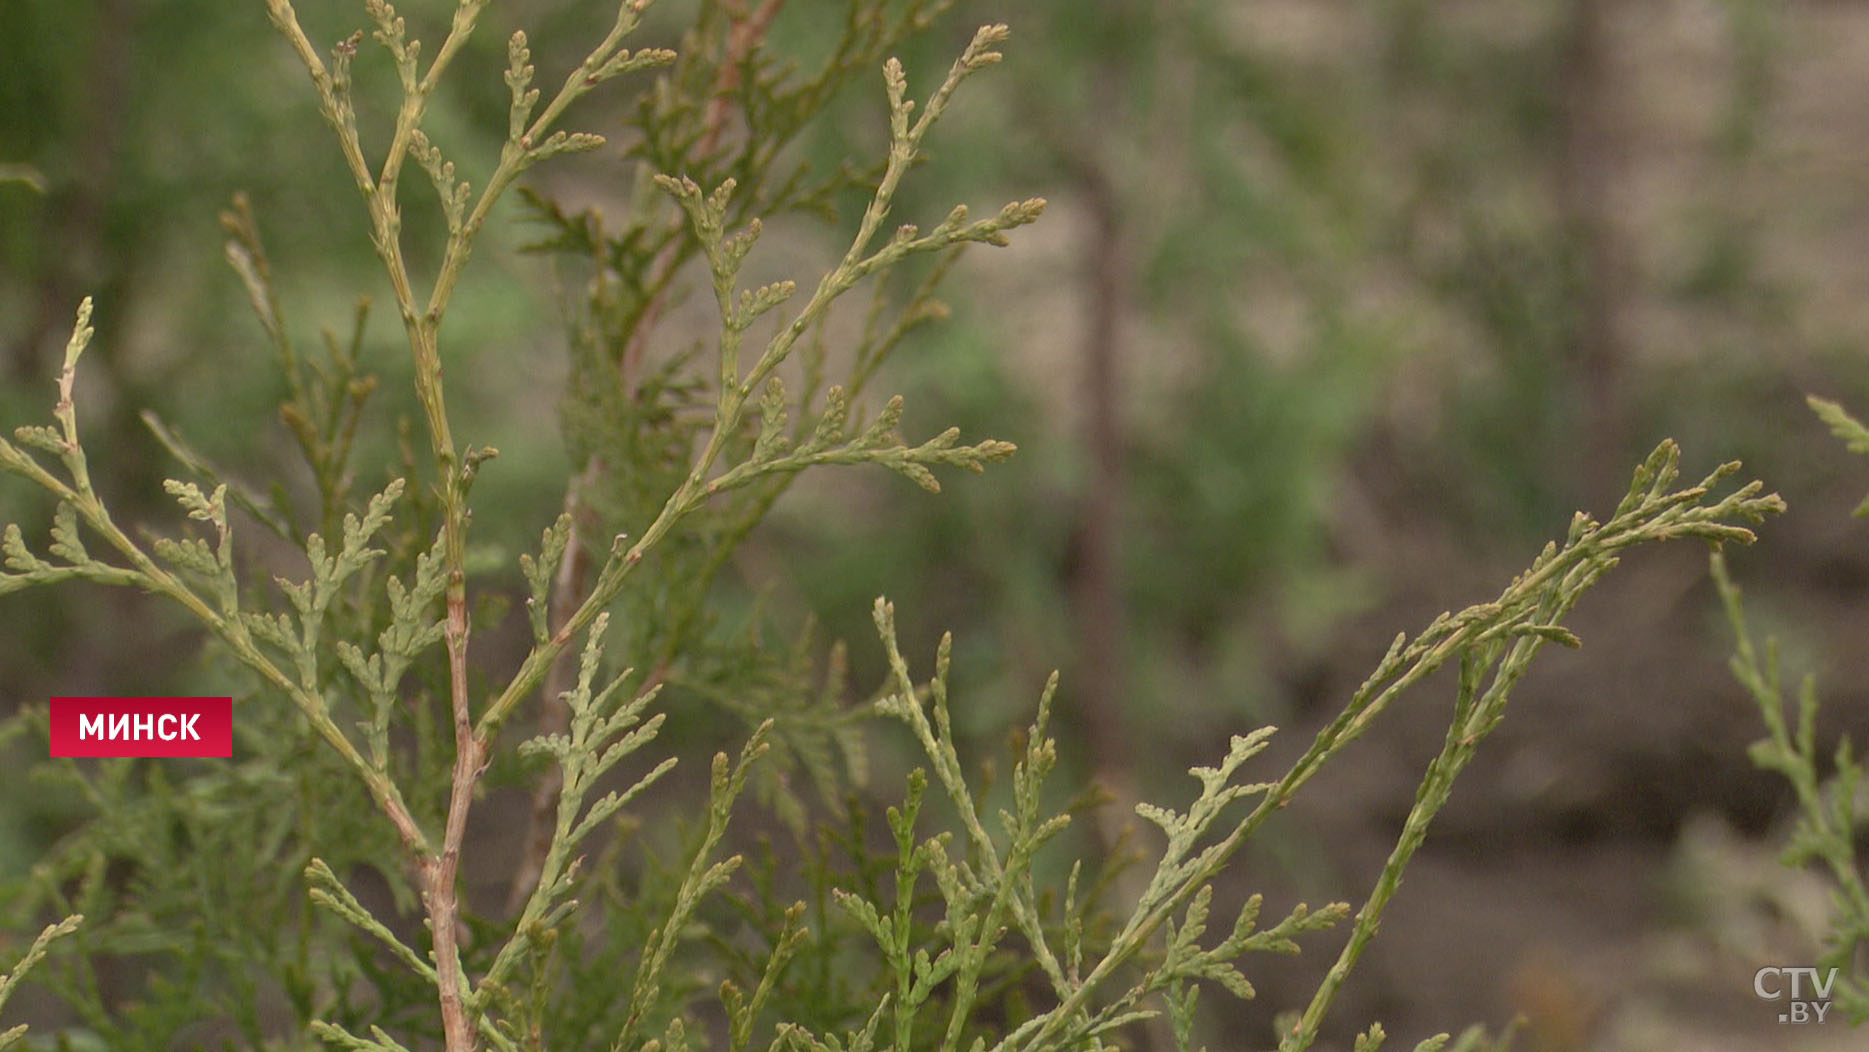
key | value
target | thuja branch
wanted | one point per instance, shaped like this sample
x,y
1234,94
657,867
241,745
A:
x,y
994,882
725,254
529,141
1495,642
1488,671
34,954
218,612
1828,806
1825,834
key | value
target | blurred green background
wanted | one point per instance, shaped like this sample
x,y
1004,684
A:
x,y
1338,312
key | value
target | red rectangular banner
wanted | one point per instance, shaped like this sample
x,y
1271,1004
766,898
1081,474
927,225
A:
x,y
158,727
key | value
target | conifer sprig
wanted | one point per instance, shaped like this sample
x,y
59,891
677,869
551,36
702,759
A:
x,y
212,565
725,254
1829,807
33,955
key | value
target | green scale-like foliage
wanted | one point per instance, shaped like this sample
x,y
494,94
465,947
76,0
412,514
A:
x,y
311,890
1828,825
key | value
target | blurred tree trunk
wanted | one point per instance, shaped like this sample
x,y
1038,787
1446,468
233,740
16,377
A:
x,y
1097,592
1097,587
1587,166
